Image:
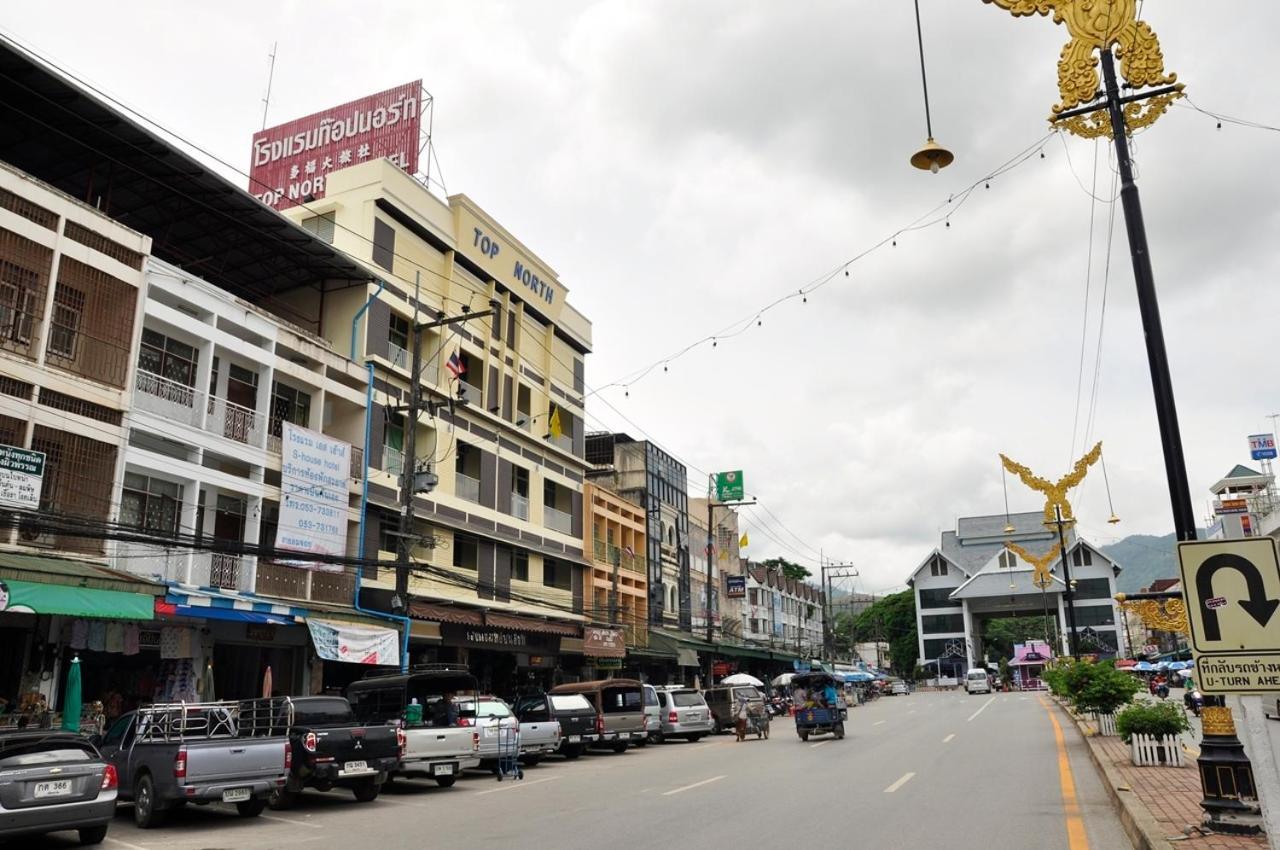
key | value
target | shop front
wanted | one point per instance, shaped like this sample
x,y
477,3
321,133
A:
x,y
604,650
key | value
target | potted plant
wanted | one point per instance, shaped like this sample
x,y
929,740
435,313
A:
x,y
1151,729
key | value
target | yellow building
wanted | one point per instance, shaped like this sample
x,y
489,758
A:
x,y
615,540
499,569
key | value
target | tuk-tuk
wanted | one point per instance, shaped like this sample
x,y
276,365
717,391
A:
x,y
814,715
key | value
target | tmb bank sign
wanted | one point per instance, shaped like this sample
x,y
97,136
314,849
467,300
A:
x,y
507,264
293,160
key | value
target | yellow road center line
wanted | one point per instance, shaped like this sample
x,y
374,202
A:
x,y
1077,839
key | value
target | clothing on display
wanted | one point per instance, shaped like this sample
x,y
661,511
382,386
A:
x,y
131,639
79,635
115,636
176,642
98,636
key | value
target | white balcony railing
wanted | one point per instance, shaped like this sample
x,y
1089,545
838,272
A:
x,y
392,461
398,356
169,399
230,420
153,561
217,569
564,441
519,506
470,393
557,520
466,487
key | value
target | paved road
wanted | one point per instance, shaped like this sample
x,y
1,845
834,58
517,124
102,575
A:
x,y
930,770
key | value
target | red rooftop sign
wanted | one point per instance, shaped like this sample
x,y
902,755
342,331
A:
x,y
293,160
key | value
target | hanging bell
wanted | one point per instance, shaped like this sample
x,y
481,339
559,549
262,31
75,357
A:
x,y
932,157
1114,519
1009,529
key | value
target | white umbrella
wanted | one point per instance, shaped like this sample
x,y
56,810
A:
x,y
742,679
783,680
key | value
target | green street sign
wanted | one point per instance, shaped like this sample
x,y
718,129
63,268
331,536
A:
x,y
729,486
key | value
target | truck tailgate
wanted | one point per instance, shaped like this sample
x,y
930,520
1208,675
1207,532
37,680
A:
x,y
375,741
446,742
624,721
232,759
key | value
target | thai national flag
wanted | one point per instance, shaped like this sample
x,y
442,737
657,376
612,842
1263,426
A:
x,y
455,365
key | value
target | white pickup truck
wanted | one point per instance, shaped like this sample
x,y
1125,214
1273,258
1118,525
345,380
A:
x,y
437,745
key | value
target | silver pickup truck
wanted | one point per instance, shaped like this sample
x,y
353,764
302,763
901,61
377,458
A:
x,y
172,754
421,702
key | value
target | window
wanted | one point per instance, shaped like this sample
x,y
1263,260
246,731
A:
x,y
753,596
1007,559
1082,557
169,358
557,574
520,566
398,334
1094,615
18,287
942,623
671,595
937,597
937,567
1093,588
466,552
322,226
389,534
384,244
393,444
288,405
68,307
520,481
151,504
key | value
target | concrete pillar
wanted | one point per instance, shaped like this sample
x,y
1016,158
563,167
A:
x,y
1261,744
969,647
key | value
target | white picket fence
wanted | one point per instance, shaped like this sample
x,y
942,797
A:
x,y
1149,751
1106,725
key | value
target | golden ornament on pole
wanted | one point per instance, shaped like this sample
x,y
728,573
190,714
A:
x,y
1161,615
1055,492
1097,25
1042,577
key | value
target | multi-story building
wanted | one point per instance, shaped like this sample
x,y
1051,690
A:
x,y
497,571
973,577
615,539
708,572
644,473
782,612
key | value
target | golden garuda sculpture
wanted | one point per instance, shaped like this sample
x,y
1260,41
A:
x,y
1097,25
1042,578
1055,492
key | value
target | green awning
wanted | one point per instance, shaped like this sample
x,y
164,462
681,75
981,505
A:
x,y
649,652
41,569
28,597
730,650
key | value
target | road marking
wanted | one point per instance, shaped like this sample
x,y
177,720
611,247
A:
x,y
292,821
980,710
1077,839
694,785
906,777
947,739
877,723
820,743
111,840
518,784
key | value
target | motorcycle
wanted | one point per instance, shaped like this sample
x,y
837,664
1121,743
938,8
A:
x,y
1194,701
1159,689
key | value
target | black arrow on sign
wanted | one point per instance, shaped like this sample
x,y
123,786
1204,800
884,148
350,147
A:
x,y
1257,605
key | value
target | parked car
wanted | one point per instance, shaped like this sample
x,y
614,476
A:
x,y
899,688
169,755
493,719
683,714
652,716
540,733
332,748
976,681
54,781
722,701
573,713
436,744
619,705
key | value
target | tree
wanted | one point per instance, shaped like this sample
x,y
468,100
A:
x,y
999,636
790,569
892,619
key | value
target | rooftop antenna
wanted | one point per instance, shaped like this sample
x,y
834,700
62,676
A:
x,y
271,75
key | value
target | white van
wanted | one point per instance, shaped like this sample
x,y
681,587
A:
x,y
976,681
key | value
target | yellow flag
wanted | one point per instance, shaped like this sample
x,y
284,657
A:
x,y
556,430
744,542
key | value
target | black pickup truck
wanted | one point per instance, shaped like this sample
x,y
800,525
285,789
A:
x,y
330,747
574,713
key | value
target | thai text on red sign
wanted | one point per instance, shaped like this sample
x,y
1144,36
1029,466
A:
x,y
293,161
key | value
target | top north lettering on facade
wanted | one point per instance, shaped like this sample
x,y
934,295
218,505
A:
x,y
505,259
291,162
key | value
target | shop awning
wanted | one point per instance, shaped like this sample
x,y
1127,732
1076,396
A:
x,y
684,648
26,597
445,613
650,653
41,569
731,650
209,604
531,624
495,619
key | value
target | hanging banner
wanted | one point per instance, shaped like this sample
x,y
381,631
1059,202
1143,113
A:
x,y
603,643
354,644
21,477
314,469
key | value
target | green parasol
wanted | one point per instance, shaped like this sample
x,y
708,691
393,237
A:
x,y
71,700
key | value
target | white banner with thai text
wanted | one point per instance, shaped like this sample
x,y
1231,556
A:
x,y
354,644
314,469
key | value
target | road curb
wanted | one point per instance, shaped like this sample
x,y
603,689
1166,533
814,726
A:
x,y
1143,830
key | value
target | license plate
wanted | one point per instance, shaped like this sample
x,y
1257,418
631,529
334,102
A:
x,y
442,770
574,739
236,795
356,767
57,788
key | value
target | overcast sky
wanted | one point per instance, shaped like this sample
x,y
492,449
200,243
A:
x,y
681,164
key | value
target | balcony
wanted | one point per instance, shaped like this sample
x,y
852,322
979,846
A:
x,y
564,441
466,487
607,553
218,569
290,582
557,520
169,399
398,356
519,506
469,393
235,422
392,461
153,560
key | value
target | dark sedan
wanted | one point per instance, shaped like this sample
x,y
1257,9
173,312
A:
x,y
52,781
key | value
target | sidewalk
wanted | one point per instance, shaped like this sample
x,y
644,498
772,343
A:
x,y
1156,804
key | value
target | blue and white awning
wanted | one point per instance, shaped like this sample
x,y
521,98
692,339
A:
x,y
213,603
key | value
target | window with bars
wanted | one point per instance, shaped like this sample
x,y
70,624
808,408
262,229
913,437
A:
x,y
68,309
103,245
167,357
92,323
288,405
557,574
78,476
520,566
151,504
18,287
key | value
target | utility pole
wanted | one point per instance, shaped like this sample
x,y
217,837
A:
x,y
613,593
412,480
712,504
1069,595
829,572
